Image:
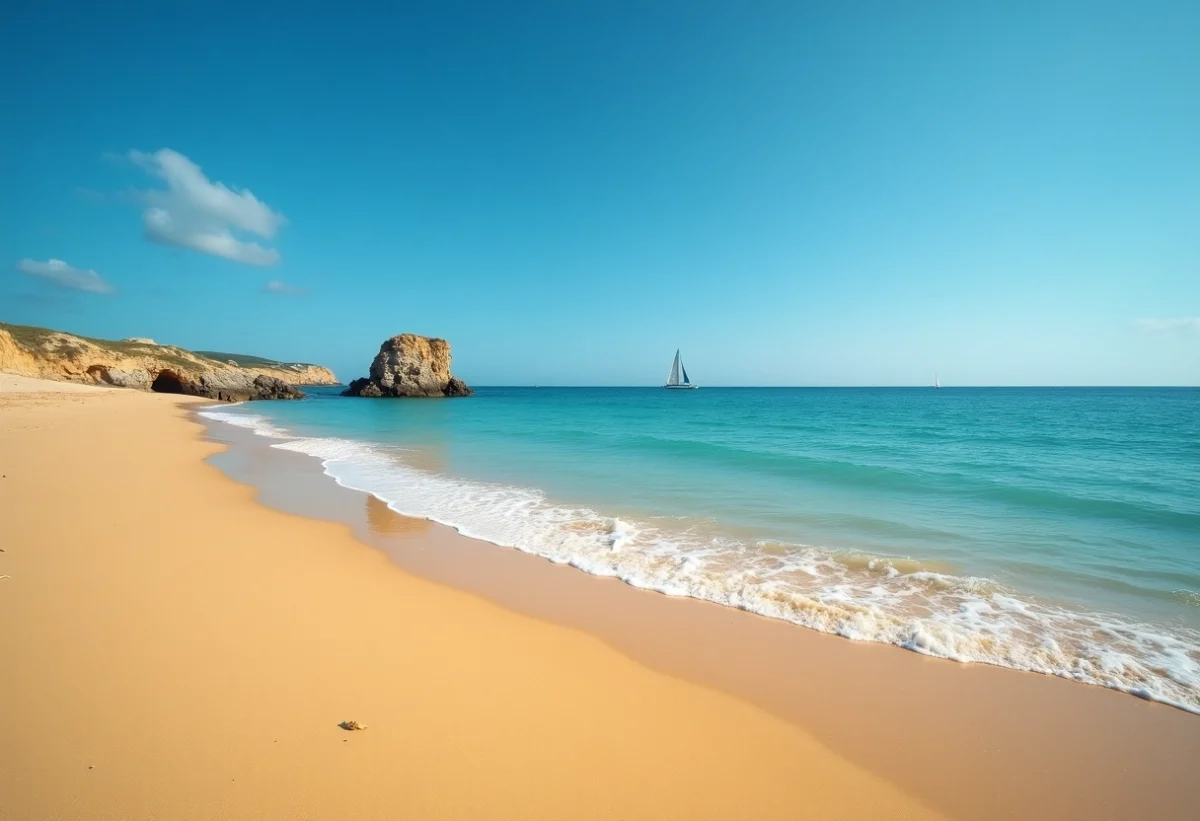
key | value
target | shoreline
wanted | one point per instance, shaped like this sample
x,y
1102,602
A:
x,y
1030,732
175,649
978,566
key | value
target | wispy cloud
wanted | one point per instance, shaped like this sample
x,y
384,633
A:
x,y
66,276
1169,325
278,286
194,212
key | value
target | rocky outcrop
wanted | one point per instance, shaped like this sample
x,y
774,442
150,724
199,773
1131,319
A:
x,y
225,385
410,365
294,373
145,365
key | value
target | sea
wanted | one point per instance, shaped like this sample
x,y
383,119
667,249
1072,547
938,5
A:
x,y
1054,530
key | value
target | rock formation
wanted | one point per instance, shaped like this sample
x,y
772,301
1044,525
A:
x,y
144,365
225,384
410,365
294,373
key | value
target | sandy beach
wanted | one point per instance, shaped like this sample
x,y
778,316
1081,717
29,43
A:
x,y
567,411
972,740
175,648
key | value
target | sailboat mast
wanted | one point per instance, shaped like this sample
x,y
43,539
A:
x,y
678,370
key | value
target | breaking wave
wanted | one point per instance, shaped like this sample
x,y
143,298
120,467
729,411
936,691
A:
x,y
923,607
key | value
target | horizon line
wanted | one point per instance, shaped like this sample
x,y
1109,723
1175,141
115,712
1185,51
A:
x,y
861,387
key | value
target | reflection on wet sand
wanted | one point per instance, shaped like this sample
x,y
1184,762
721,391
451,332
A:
x,y
381,519
430,457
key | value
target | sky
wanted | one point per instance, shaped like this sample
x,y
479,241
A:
x,y
857,193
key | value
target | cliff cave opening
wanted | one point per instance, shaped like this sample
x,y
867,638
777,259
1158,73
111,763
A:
x,y
167,382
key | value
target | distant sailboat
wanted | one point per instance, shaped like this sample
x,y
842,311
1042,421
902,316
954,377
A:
x,y
936,383
673,381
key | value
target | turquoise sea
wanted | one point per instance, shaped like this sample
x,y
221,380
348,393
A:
x,y
1054,530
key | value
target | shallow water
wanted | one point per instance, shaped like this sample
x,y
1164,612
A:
x,y
1055,530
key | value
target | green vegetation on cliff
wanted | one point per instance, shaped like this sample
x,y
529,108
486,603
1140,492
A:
x,y
139,362
246,361
34,338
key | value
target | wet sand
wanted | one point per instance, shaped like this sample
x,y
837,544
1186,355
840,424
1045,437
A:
x,y
170,648
972,740
173,648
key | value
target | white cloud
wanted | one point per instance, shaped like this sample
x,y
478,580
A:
x,y
278,286
66,276
194,212
215,239
1170,325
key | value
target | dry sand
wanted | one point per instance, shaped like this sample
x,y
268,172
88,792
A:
x,y
971,740
171,649
15,383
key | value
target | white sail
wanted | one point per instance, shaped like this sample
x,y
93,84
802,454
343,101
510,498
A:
x,y
677,371
673,379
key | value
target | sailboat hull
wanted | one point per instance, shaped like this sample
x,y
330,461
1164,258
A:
x,y
681,387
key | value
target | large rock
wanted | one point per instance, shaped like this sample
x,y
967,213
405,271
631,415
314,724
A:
x,y
222,384
144,365
237,385
410,365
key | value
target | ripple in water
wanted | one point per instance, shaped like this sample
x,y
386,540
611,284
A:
x,y
924,607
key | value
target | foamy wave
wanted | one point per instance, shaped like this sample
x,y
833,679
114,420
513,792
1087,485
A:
x,y
256,423
921,607
1187,597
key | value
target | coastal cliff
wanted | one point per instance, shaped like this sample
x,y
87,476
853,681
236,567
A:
x,y
145,365
294,373
410,366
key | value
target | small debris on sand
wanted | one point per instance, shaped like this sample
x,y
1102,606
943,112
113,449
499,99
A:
x,y
352,725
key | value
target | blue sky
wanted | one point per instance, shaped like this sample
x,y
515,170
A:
x,y
793,193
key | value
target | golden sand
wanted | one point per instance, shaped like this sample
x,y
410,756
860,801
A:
x,y
170,649
973,741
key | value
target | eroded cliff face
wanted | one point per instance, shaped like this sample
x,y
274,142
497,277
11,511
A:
x,y
144,365
294,373
410,365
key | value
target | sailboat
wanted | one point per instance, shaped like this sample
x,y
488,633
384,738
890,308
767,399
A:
x,y
674,382
936,383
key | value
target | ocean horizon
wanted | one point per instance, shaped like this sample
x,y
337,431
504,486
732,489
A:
x,y
1047,529
836,387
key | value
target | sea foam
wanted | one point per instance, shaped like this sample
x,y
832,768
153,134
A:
x,y
254,422
891,600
